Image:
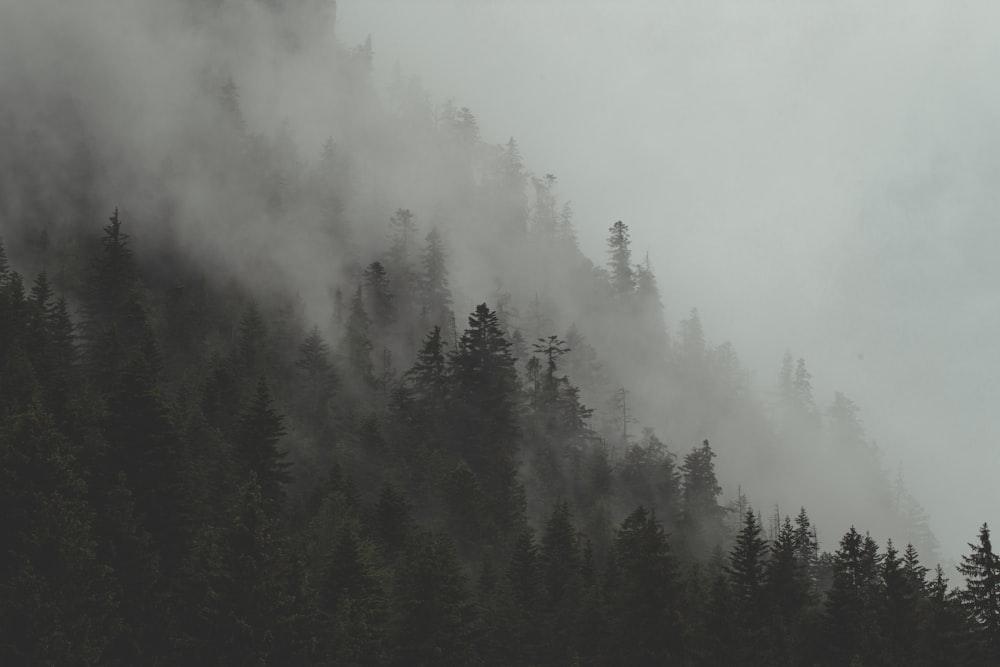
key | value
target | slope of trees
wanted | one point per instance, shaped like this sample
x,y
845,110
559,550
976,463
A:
x,y
144,524
300,424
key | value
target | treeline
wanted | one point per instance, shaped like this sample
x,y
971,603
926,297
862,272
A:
x,y
193,478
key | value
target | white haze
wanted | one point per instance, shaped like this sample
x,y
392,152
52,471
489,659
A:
x,y
811,177
819,177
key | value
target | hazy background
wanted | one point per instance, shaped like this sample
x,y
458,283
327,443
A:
x,y
812,177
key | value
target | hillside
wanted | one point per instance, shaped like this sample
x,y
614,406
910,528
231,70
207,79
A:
x,y
293,374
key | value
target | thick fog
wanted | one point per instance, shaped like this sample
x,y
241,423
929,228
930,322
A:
x,y
814,177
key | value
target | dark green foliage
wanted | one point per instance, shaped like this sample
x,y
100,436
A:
x,y
852,604
486,384
644,592
701,517
258,434
55,606
433,618
981,598
148,514
747,575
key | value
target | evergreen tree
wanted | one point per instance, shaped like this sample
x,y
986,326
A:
x,y
512,206
560,561
404,232
747,562
4,265
645,624
55,606
380,299
981,569
486,384
259,432
357,341
434,281
317,375
898,611
355,603
433,613
851,622
701,518
620,260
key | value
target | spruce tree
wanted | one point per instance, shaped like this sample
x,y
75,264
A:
x,y
981,569
701,518
258,435
620,260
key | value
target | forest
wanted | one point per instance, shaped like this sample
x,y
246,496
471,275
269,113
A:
x,y
355,396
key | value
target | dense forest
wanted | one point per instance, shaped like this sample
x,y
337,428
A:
x,y
346,391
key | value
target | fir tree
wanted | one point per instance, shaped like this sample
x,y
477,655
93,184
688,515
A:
x,y
620,260
981,569
259,432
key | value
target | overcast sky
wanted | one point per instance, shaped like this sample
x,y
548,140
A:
x,y
813,176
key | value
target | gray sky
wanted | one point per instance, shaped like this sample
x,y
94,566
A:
x,y
813,176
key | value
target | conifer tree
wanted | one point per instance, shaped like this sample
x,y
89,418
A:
x,y
747,562
258,435
981,569
357,341
851,621
55,606
486,384
433,617
645,625
380,299
4,264
701,517
317,374
434,281
620,260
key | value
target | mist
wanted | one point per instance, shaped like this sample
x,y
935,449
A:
x,y
811,177
497,332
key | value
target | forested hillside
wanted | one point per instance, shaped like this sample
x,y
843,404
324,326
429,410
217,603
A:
x,y
295,373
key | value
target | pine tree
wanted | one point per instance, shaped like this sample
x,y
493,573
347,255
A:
x,y
355,604
747,562
512,207
433,613
850,621
404,232
981,569
55,606
701,517
357,341
645,623
620,260
650,308
380,298
259,432
429,375
434,281
4,265
245,612
318,377
691,350
806,549
486,384
543,219
898,608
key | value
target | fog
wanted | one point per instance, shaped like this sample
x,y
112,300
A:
x,y
814,177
